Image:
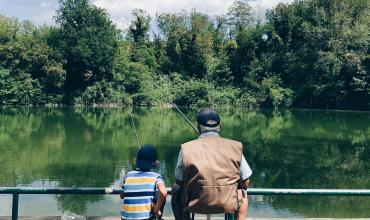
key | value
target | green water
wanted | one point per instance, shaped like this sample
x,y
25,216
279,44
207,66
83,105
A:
x,y
94,147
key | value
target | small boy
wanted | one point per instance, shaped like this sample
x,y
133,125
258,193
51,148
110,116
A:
x,y
144,192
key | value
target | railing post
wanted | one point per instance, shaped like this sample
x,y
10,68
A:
x,y
15,206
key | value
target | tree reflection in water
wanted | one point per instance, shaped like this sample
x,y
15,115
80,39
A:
x,y
90,147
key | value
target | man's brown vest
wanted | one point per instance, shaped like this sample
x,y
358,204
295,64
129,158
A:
x,y
211,172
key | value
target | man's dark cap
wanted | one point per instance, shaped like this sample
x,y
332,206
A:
x,y
146,157
208,117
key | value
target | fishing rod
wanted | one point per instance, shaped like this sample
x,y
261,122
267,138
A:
x,y
186,119
179,111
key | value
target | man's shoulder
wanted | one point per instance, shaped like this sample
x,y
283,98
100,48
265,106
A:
x,y
211,139
230,140
190,142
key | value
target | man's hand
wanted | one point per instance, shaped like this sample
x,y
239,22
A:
x,y
244,183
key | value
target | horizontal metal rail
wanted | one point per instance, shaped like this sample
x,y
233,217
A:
x,y
16,191
309,192
251,191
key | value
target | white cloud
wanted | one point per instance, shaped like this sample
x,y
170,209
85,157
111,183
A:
x,y
44,18
212,7
259,7
120,11
45,4
266,4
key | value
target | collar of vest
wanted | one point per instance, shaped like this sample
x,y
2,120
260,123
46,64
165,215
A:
x,y
209,133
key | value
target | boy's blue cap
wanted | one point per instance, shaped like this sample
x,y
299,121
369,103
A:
x,y
146,157
208,117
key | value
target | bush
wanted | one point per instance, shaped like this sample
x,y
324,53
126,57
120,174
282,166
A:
x,y
191,93
222,96
20,89
276,95
102,93
247,99
142,99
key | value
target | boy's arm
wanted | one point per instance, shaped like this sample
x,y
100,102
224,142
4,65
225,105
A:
x,y
122,194
161,198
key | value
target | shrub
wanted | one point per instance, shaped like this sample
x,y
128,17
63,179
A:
x,y
102,93
191,93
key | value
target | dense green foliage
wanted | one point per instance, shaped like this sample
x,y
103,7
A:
x,y
310,53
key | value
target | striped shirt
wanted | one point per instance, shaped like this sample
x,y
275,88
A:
x,y
139,194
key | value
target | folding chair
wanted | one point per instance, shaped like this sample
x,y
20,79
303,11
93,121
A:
x,y
228,216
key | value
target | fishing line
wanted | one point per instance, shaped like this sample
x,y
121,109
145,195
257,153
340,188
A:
x,y
137,137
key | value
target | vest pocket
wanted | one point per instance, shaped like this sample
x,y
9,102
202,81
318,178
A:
x,y
212,199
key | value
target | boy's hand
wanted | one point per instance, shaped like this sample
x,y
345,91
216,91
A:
x,y
108,190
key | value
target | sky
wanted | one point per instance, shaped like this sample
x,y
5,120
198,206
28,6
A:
x,y
42,11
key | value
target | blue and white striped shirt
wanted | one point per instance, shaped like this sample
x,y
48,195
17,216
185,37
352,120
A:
x,y
139,194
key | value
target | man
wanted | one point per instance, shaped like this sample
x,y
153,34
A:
x,y
211,173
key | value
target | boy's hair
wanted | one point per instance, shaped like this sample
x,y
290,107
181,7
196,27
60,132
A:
x,y
146,158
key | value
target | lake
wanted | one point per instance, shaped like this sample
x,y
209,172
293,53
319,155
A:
x,y
94,147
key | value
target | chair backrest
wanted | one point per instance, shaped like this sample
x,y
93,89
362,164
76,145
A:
x,y
228,216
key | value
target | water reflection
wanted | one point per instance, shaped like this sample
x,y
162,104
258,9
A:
x,y
91,147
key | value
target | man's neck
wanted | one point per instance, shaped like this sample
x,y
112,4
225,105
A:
x,y
208,133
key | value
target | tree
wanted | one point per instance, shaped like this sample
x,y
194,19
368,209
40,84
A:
x,y
189,45
34,73
199,45
142,49
239,18
242,45
139,27
88,40
172,28
322,52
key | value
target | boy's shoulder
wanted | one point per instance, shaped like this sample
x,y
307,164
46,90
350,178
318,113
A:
x,y
138,173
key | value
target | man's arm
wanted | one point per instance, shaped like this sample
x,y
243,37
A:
x,y
179,172
245,173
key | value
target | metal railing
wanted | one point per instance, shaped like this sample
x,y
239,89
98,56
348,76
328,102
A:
x,y
16,191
